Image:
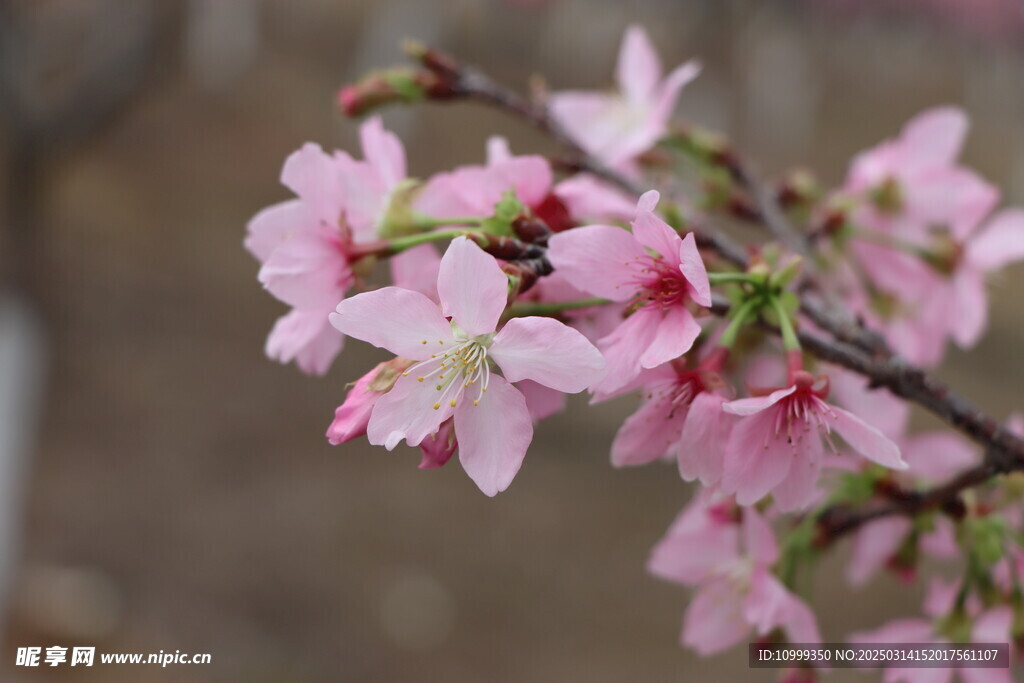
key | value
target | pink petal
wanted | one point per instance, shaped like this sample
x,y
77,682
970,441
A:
x,y
405,323
438,448
692,266
993,625
873,546
595,121
934,137
383,150
597,259
273,225
649,433
352,416
639,69
940,541
665,102
759,539
307,338
407,412
950,196
799,487
865,439
651,231
768,603
365,197
307,271
472,288
799,622
498,150
314,177
674,559
675,334
590,199
493,436
756,460
548,352
999,243
714,621
417,269
935,456
878,406
622,350
541,401
970,308
700,452
755,404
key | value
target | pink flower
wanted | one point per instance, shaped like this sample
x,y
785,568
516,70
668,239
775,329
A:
x,y
609,262
306,245
911,181
352,416
779,445
452,376
727,554
618,127
681,416
474,190
989,626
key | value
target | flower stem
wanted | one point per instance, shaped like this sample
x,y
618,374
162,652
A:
x,y
723,278
789,338
424,222
522,309
739,319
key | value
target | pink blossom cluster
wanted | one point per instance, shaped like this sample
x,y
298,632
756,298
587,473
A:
x,y
511,289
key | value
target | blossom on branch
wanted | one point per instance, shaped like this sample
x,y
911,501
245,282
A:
x,y
454,349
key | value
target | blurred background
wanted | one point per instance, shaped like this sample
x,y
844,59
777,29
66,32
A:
x,y
163,486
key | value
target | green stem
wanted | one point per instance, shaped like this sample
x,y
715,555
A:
x,y
400,244
739,319
723,278
424,222
522,309
789,339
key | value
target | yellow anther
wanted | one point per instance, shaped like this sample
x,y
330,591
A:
x,y
476,402
437,406
439,387
452,403
418,379
424,341
406,374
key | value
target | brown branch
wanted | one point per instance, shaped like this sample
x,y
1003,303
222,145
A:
x,y
852,345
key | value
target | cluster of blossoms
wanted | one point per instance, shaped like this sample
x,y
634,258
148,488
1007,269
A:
x,y
549,288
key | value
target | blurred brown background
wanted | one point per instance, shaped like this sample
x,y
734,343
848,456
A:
x,y
177,492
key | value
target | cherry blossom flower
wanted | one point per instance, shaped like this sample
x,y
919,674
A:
x,y
681,416
727,553
453,377
779,445
617,127
306,245
473,191
658,273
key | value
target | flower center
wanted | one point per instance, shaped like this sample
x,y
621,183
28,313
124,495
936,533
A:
x,y
456,369
800,413
658,284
